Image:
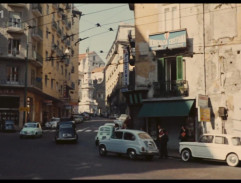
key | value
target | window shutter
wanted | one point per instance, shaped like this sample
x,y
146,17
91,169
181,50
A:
x,y
179,68
161,70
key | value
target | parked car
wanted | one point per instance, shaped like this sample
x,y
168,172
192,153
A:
x,y
134,143
78,118
213,146
104,132
66,131
113,116
53,123
31,129
8,126
86,116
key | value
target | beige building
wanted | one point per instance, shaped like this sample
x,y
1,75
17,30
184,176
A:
x,y
49,87
187,57
117,72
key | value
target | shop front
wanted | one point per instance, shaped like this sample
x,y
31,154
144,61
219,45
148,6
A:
x,y
170,115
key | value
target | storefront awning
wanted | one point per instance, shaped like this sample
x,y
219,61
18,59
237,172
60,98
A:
x,y
166,108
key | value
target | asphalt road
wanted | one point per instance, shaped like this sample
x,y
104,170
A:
x,y
41,158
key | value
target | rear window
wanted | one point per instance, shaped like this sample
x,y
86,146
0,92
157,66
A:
x,y
236,141
144,136
66,126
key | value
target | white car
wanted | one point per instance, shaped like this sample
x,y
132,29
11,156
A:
x,y
53,123
131,142
31,129
104,132
213,146
120,121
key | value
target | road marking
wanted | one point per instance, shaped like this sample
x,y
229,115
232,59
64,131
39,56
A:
x,y
88,130
96,131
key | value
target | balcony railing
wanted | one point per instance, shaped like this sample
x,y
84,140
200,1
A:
x,y
171,88
37,33
21,83
22,5
15,26
39,58
54,24
37,9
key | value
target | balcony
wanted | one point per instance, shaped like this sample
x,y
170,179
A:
x,y
20,5
37,83
37,34
173,88
54,25
64,19
37,9
16,83
68,7
38,58
15,26
59,52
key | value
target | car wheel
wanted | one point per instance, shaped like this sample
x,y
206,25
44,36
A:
x,y
102,150
149,157
186,155
131,154
232,160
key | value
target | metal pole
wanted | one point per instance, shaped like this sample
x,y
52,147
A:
x,y
26,82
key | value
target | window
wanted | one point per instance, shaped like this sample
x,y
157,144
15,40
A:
x,y
171,18
221,140
47,32
53,39
46,56
57,86
12,74
236,141
47,9
117,135
206,139
52,83
46,80
65,73
93,58
129,136
13,46
15,19
33,77
52,62
62,70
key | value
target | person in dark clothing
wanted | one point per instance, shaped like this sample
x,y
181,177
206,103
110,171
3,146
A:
x,y
163,144
183,134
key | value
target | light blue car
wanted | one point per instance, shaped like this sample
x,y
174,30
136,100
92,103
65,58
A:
x,y
31,129
130,142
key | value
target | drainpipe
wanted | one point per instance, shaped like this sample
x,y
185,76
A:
x,y
204,62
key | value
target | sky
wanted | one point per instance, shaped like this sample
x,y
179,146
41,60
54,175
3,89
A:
x,y
100,38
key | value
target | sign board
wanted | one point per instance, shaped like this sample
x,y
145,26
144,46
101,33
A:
x,y
24,109
202,100
126,68
170,40
204,114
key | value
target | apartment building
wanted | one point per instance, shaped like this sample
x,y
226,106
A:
x,y
187,57
25,33
117,71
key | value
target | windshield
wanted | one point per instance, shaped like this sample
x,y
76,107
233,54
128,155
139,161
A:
x,y
144,136
66,130
30,126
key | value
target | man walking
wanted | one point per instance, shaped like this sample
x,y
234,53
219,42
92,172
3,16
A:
x,y
163,144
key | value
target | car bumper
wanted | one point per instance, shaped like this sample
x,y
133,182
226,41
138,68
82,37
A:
x,y
66,139
149,153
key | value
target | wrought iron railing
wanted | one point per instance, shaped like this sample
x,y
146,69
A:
x,y
171,88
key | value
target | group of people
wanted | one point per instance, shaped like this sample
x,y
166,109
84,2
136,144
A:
x,y
163,139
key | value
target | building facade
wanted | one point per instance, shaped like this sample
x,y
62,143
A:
x,y
117,72
25,33
188,62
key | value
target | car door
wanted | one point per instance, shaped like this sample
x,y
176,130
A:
x,y
128,142
204,148
116,142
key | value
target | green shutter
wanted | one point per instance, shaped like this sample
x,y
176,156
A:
x,y
179,68
161,70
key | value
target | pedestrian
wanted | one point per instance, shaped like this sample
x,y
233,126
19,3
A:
x,y
124,126
163,144
116,126
127,122
183,136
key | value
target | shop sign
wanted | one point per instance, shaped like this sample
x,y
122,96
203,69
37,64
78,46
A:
x,y
204,114
126,68
170,40
24,109
202,100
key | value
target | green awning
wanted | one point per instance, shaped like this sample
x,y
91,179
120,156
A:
x,y
166,108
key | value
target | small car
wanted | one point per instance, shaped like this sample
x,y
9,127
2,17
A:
x,y
104,131
31,129
213,146
133,143
66,131
78,119
53,123
9,126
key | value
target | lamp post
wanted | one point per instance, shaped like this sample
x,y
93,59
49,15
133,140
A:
x,y
26,82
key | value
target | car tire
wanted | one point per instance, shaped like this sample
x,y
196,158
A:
x,y
232,160
149,157
186,155
132,154
102,150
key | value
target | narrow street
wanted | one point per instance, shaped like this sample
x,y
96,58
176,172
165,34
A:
x,y
41,158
